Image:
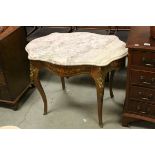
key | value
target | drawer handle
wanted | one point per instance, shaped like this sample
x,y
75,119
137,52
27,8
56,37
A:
x,y
139,110
149,65
146,82
148,62
145,98
143,112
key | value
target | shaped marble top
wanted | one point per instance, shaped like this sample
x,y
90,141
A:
x,y
78,48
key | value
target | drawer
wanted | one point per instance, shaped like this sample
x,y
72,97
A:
x,y
142,78
142,58
142,94
141,108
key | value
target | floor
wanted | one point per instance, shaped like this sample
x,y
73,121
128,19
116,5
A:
x,y
74,108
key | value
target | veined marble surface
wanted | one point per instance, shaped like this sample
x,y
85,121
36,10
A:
x,y
77,48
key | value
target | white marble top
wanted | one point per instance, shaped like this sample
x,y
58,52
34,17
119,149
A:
x,y
78,48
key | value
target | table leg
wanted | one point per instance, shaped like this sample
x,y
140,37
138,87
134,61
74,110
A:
x,y
38,85
99,77
111,82
63,83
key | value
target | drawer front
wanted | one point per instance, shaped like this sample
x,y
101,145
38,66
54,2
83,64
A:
x,y
142,78
141,108
142,58
142,94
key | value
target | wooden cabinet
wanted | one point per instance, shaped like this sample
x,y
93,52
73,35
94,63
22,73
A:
x,y
140,90
14,66
104,27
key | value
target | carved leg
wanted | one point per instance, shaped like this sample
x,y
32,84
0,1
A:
x,y
111,82
38,85
63,83
99,77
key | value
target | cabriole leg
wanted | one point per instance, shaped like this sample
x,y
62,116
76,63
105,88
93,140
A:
x,y
99,77
38,85
112,73
63,83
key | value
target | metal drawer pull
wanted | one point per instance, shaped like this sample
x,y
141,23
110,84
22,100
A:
x,y
146,82
150,65
148,62
143,112
145,98
139,110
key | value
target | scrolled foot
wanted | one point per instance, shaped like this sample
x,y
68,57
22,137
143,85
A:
x,y
45,113
101,125
111,94
110,83
63,83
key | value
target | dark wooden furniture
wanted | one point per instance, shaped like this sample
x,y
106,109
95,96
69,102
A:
x,y
40,31
103,27
14,66
140,90
152,31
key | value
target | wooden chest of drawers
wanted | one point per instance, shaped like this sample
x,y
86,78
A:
x,y
14,66
140,89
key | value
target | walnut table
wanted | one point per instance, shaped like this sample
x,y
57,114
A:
x,y
68,54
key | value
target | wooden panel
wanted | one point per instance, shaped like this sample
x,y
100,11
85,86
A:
x,y
142,78
2,79
141,108
140,90
4,93
143,58
142,94
15,61
14,65
140,35
104,27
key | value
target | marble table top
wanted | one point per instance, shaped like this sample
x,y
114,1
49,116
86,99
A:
x,y
77,48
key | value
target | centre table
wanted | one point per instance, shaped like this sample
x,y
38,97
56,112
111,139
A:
x,y
69,54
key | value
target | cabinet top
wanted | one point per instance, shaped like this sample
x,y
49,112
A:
x,y
139,38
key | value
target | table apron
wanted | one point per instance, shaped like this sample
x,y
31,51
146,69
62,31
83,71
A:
x,y
67,71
